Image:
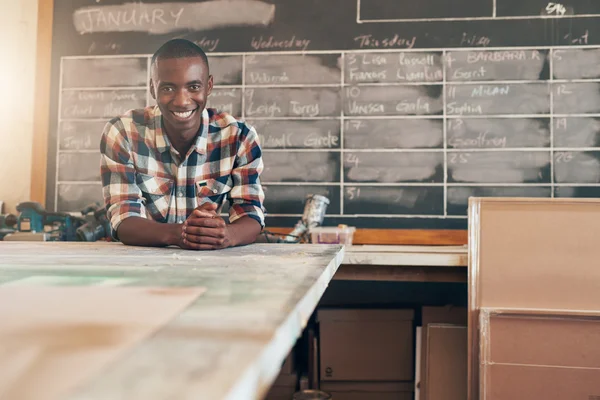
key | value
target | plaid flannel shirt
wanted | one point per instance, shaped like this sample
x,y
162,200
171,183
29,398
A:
x,y
144,176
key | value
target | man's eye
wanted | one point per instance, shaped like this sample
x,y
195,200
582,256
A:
x,y
167,89
195,87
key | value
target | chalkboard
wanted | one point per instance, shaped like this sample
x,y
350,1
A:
x,y
398,114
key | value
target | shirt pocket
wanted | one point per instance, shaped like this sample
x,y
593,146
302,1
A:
x,y
156,192
213,190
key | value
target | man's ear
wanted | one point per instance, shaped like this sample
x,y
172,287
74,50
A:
x,y
209,85
152,92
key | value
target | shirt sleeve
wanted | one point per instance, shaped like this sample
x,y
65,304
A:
x,y
247,194
122,196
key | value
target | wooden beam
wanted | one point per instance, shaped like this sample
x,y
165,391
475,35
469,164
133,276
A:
x,y
41,108
435,237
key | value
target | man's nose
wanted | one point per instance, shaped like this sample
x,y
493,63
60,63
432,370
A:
x,y
181,99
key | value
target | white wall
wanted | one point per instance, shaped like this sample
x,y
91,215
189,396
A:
x,y
18,29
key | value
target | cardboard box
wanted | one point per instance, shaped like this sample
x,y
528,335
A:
x,y
530,253
418,361
446,373
368,390
366,345
539,354
445,315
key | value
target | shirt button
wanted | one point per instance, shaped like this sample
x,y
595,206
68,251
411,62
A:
x,y
215,190
180,194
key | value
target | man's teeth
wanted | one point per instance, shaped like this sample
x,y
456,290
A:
x,y
183,114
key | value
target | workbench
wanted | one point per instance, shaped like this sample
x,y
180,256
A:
x,y
229,343
404,263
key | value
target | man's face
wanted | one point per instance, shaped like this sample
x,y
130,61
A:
x,y
180,87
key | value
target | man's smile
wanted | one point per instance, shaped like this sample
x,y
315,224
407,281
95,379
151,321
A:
x,y
184,115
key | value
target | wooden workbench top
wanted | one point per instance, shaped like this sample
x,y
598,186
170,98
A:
x,y
433,256
236,335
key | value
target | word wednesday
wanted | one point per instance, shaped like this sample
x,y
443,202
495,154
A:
x,y
272,43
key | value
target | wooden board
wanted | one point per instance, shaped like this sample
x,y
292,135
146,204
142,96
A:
x,y
435,237
53,339
230,344
427,256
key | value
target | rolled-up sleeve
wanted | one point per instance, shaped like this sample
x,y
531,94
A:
x,y
122,196
247,194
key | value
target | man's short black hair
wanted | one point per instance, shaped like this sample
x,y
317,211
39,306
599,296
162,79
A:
x,y
179,48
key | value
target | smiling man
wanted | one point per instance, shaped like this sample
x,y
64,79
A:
x,y
167,169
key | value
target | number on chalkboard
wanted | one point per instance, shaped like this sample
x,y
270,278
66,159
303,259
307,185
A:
x,y
452,92
560,123
351,59
458,158
353,92
563,157
353,193
352,159
455,124
356,124
449,60
562,89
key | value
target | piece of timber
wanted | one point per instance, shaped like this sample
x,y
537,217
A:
x,y
404,263
229,344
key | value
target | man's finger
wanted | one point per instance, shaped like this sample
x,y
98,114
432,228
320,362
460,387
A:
x,y
208,207
202,239
196,246
204,231
203,214
205,222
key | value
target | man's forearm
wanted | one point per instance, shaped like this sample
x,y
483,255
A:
x,y
243,231
138,231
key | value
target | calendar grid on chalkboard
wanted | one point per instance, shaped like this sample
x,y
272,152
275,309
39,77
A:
x,y
387,11
342,123
551,79
148,79
370,160
445,134
57,155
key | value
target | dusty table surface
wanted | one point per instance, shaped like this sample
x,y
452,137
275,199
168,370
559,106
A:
x,y
228,344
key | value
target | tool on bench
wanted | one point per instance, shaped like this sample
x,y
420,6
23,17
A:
x,y
34,223
315,206
8,223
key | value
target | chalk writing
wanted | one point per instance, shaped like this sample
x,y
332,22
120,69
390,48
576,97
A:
x,y
208,44
264,78
162,18
474,40
563,156
482,91
270,42
308,110
368,41
483,140
266,110
283,141
455,108
315,140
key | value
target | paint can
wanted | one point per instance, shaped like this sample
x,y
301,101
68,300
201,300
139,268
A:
x,y
314,210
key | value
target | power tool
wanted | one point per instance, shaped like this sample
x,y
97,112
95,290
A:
x,y
8,224
34,223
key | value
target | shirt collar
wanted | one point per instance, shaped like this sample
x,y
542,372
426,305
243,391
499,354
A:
x,y
162,142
